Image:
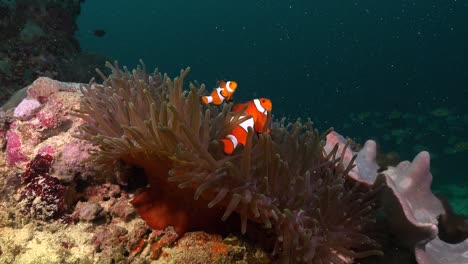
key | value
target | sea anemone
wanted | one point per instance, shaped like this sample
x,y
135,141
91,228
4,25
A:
x,y
283,180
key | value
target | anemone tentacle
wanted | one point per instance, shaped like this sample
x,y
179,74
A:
x,y
283,180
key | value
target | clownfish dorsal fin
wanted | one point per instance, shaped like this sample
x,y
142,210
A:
x,y
238,107
222,84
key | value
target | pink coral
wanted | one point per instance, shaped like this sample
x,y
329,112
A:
x,y
408,202
26,109
440,252
46,150
14,153
335,139
366,168
47,119
34,122
413,206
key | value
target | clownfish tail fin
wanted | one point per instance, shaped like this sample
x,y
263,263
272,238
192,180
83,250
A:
x,y
207,99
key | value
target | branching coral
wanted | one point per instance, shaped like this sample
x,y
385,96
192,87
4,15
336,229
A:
x,y
283,180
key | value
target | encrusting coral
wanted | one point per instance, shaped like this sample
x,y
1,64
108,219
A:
x,y
284,180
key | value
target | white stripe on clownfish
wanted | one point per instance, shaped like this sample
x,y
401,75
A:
x,y
233,140
229,88
259,106
246,123
218,91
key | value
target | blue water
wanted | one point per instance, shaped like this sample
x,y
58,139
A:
x,y
394,71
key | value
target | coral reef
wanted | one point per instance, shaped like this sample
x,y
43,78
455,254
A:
x,y
285,181
52,209
418,220
158,172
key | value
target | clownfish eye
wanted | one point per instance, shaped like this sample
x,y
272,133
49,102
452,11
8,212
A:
x,y
263,100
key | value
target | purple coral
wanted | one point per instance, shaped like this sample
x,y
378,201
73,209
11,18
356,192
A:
x,y
42,196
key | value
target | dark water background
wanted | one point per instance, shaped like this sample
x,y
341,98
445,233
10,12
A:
x,y
395,71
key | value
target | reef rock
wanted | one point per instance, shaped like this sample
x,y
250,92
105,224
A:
x,y
55,208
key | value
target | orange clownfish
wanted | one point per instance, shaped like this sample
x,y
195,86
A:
x,y
258,110
223,92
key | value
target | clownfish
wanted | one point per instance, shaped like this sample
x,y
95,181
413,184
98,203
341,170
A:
x,y
223,92
258,110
